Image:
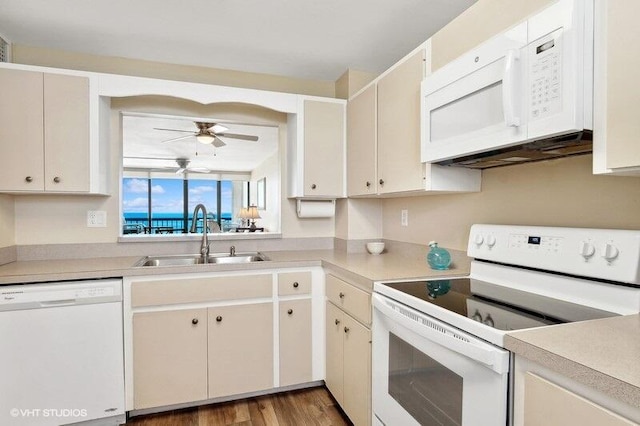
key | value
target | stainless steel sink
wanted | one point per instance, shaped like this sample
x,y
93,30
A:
x,y
197,259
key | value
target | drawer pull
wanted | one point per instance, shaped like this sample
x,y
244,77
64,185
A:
x,y
341,295
337,321
290,311
219,318
57,179
295,284
346,329
194,321
28,179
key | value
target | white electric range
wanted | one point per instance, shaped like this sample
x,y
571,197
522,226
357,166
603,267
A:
x,y
438,344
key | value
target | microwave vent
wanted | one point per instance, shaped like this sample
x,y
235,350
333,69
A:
x,y
567,145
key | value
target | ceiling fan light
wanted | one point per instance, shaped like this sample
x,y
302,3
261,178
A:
x,y
205,139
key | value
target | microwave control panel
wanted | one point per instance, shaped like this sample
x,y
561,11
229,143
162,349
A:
x,y
545,71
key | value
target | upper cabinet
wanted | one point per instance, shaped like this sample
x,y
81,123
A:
x,y
316,149
45,134
616,91
383,143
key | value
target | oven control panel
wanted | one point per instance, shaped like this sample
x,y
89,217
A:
x,y
609,254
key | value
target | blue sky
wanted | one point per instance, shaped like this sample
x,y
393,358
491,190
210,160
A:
x,y
166,195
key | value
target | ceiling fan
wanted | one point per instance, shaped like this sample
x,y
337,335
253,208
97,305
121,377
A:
x,y
183,166
209,133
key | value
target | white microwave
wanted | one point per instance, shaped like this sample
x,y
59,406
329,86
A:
x,y
524,95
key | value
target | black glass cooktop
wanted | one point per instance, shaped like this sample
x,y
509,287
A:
x,y
496,306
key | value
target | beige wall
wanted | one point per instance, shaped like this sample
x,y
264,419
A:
x,y
553,193
7,221
359,219
30,55
269,169
45,219
351,82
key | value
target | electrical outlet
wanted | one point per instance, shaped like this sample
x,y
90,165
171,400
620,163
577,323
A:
x,y
404,218
96,218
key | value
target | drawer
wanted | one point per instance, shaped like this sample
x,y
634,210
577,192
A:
x,y
290,283
193,290
351,299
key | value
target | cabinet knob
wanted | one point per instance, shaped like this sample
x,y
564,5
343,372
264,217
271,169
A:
x,y
337,321
290,311
313,186
219,318
346,329
381,182
341,295
194,321
57,179
368,184
28,179
295,284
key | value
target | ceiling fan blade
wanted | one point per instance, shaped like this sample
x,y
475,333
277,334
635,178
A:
x,y
218,128
173,130
180,171
217,142
238,136
198,170
178,138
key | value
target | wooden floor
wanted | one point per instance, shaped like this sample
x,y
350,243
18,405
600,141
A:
x,y
312,406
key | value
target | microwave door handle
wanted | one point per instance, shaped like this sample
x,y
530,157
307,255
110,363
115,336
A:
x,y
509,88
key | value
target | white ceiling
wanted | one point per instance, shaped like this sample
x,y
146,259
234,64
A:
x,y
144,146
314,39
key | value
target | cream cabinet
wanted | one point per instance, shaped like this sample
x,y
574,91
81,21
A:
x,y
383,142
348,348
169,357
240,349
316,149
543,397
616,92
295,341
45,134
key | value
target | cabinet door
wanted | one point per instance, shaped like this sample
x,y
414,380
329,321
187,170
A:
x,y
169,357
361,144
295,342
547,404
21,131
66,133
240,349
357,371
335,352
323,149
399,166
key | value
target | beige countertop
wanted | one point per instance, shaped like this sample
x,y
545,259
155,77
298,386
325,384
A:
x,y
387,266
602,354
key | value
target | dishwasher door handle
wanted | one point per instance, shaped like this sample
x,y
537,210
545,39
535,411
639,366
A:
x,y
51,303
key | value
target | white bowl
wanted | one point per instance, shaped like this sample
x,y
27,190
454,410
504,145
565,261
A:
x,y
375,247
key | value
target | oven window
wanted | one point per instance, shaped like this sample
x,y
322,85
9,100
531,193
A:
x,y
426,389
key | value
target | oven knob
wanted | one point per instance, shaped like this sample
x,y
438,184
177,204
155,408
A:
x,y
491,240
477,317
587,250
610,252
478,239
489,321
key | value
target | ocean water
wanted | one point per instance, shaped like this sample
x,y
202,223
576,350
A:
x,y
132,216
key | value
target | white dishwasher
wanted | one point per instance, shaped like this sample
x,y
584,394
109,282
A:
x,y
61,353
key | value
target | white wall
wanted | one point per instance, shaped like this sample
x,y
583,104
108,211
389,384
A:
x,y
7,221
269,169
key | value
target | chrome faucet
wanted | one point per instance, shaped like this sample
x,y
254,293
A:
x,y
204,246
232,251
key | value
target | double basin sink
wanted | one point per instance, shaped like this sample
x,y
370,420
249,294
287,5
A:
x,y
197,259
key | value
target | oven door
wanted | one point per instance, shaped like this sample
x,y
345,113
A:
x,y
429,373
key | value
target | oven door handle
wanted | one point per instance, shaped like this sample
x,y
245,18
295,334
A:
x,y
444,335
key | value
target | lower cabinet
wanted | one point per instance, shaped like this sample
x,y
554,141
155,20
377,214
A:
x,y
348,356
170,357
295,342
240,346
201,337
